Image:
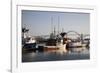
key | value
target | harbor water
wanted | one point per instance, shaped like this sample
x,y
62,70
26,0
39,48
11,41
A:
x,y
75,54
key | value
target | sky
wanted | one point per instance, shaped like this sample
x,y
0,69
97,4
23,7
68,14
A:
x,y
43,22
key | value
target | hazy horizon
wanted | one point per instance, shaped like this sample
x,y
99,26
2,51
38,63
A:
x,y
42,22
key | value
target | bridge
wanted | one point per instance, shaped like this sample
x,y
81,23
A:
x,y
79,37
69,33
74,33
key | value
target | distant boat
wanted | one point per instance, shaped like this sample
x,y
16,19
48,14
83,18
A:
x,y
31,40
76,44
30,44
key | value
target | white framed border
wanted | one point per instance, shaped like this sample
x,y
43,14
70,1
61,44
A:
x,y
18,66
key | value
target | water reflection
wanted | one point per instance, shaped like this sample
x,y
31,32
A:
x,y
74,54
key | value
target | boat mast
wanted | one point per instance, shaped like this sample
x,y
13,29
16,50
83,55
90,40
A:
x,y
58,24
